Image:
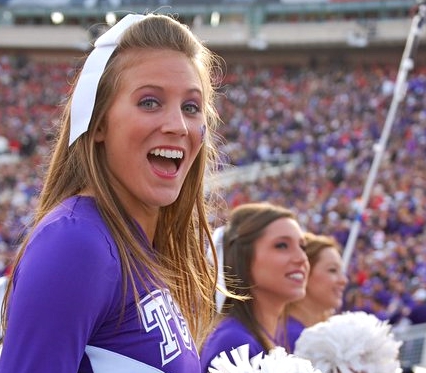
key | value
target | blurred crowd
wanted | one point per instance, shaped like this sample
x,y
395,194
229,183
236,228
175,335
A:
x,y
329,118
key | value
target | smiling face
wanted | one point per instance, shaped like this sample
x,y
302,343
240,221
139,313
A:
x,y
153,129
327,280
280,266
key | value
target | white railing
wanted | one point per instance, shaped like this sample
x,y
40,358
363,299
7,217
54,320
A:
x,y
413,349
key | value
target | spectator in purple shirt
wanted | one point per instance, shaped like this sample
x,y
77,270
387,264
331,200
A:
x,y
113,276
417,314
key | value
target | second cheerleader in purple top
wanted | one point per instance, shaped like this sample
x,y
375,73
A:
x,y
266,266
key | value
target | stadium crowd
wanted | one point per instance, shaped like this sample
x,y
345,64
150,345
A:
x,y
327,117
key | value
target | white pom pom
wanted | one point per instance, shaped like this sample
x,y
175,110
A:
x,y
350,342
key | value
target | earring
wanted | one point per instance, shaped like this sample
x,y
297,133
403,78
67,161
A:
x,y
203,132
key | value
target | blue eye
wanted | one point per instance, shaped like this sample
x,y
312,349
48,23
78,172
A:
x,y
191,108
149,103
281,245
334,270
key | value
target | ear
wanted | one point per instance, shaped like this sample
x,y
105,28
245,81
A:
x,y
100,133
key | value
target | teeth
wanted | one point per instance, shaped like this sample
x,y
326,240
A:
x,y
297,276
167,153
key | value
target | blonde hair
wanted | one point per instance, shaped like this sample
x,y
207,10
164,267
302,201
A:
x,y
182,229
316,243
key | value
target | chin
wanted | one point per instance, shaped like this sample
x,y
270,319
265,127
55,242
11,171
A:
x,y
163,199
298,296
166,203
337,306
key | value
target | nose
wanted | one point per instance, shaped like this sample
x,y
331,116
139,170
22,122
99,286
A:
x,y
300,255
343,278
175,122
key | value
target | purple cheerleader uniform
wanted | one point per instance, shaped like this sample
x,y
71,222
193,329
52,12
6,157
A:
x,y
228,335
65,313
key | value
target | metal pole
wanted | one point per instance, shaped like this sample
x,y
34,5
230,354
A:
x,y
407,63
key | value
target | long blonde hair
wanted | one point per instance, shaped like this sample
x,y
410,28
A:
x,y
183,228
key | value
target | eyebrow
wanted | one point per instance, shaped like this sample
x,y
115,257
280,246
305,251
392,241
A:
x,y
161,88
285,238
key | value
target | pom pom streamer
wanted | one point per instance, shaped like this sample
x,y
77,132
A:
x,y
276,361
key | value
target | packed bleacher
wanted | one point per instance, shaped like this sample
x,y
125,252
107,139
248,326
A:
x,y
321,121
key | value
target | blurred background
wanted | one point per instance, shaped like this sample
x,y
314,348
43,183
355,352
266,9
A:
x,y
307,91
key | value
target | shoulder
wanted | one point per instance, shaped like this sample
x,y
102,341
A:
x,y
75,227
294,324
78,214
293,329
72,239
228,335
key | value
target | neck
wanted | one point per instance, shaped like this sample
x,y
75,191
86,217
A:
x,y
268,316
308,313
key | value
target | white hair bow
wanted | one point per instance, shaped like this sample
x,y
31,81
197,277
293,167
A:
x,y
83,100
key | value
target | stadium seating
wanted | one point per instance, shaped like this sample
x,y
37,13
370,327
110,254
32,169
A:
x,y
300,132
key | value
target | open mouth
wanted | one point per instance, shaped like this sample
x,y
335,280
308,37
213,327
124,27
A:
x,y
166,161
